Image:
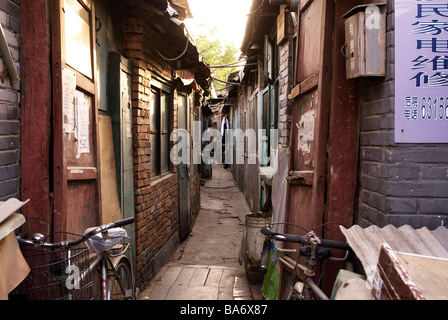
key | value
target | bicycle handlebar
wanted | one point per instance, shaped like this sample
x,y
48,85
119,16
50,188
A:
x,y
66,244
111,225
304,240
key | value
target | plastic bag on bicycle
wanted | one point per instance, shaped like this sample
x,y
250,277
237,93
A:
x,y
99,244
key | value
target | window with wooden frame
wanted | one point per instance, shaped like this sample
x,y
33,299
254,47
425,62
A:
x,y
77,33
160,128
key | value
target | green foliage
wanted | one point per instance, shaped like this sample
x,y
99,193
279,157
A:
x,y
217,54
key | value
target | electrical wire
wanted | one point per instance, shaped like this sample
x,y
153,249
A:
x,y
328,223
177,58
228,64
289,224
222,89
259,7
234,64
226,82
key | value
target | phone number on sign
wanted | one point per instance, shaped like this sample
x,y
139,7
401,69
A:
x,y
434,108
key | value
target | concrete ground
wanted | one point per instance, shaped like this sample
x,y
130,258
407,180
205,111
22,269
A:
x,y
206,266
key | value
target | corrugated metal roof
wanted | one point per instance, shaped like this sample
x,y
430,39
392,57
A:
x,y
367,242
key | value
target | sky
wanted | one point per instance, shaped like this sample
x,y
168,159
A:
x,y
229,17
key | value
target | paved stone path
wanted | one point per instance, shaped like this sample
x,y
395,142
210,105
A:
x,y
206,266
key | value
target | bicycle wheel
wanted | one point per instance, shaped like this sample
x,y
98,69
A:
x,y
121,283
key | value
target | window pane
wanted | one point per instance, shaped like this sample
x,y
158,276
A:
x,y
154,155
159,113
266,109
182,112
165,131
153,111
274,105
77,37
164,152
164,113
154,128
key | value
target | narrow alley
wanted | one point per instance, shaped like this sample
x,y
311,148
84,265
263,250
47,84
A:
x,y
206,266
332,116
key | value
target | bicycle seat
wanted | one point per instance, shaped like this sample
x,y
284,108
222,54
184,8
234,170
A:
x,y
97,243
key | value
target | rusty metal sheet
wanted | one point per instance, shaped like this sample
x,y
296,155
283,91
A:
x,y
367,242
409,276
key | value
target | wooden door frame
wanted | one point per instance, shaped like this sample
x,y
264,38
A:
x,y
60,172
35,117
184,230
314,185
343,146
334,180
322,81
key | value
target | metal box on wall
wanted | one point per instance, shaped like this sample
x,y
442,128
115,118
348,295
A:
x,y
365,35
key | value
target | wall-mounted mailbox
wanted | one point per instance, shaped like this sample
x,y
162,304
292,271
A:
x,y
365,41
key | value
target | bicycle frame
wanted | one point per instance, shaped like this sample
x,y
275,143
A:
x,y
307,289
110,260
309,284
103,260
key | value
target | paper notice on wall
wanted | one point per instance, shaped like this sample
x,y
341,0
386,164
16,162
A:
x,y
82,123
306,131
68,103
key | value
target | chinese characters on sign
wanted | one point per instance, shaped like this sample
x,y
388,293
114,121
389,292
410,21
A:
x,y
421,71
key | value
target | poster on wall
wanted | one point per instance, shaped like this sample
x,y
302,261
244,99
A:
x,y
421,71
68,104
82,122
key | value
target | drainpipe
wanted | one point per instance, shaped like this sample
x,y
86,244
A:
x,y
7,58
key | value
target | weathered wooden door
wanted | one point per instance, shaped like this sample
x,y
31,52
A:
x,y
309,127
120,109
75,162
324,128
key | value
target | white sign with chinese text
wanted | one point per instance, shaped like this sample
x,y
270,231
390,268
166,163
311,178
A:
x,y
421,71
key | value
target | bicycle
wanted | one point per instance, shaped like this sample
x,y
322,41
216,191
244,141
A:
x,y
70,270
314,250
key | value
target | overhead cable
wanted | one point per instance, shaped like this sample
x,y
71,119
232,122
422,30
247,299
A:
x,y
227,82
259,7
177,58
233,64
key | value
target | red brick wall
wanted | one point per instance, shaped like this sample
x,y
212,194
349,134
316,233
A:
x,y
156,198
195,176
195,189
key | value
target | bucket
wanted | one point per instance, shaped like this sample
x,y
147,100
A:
x,y
207,171
254,237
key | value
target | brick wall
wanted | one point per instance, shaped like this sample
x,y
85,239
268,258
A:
x,y
10,107
156,199
195,190
285,86
398,183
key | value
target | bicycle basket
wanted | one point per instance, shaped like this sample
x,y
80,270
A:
x,y
56,274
